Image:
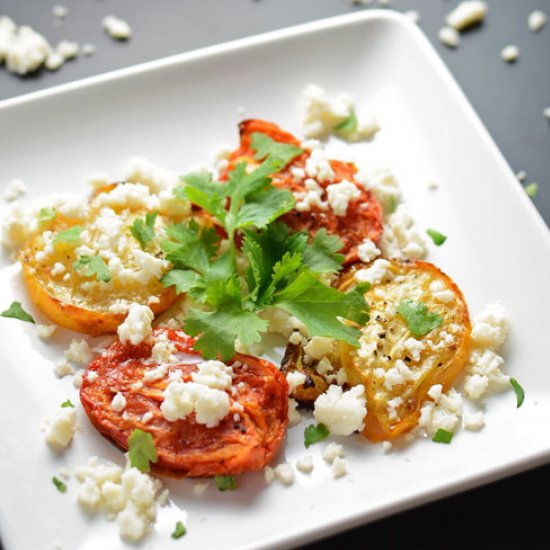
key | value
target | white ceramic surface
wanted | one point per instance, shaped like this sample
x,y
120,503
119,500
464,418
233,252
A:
x,y
173,112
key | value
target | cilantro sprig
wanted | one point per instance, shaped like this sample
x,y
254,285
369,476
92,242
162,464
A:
x,y
283,268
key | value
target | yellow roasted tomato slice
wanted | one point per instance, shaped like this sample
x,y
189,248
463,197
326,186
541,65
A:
x,y
81,272
246,435
418,336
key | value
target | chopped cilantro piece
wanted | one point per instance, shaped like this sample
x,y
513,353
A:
x,y
520,392
16,311
66,404
437,237
419,320
70,235
141,450
95,266
46,214
348,125
532,190
59,485
442,436
144,230
267,147
314,434
225,483
393,204
179,531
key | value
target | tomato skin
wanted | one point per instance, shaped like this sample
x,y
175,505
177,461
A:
x,y
184,447
363,219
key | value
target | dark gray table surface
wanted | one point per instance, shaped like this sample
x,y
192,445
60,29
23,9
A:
x,y
510,99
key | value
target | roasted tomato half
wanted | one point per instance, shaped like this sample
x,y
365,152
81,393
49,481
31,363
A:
x,y
306,177
245,439
77,270
397,367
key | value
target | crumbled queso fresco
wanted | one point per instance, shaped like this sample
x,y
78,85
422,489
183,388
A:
x,y
130,496
205,396
127,494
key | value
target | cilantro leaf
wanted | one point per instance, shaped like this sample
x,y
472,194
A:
x,y
144,230
271,262
419,320
59,485
264,206
275,241
319,306
70,235
321,256
219,329
183,279
268,147
46,214
348,125
67,404
242,184
141,450
520,392
225,483
442,436
192,246
16,311
94,266
179,530
314,434
437,237
199,189
285,268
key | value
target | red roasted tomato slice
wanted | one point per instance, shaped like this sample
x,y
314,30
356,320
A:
x,y
363,219
247,438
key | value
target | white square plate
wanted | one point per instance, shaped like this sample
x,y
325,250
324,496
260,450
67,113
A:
x,y
173,111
